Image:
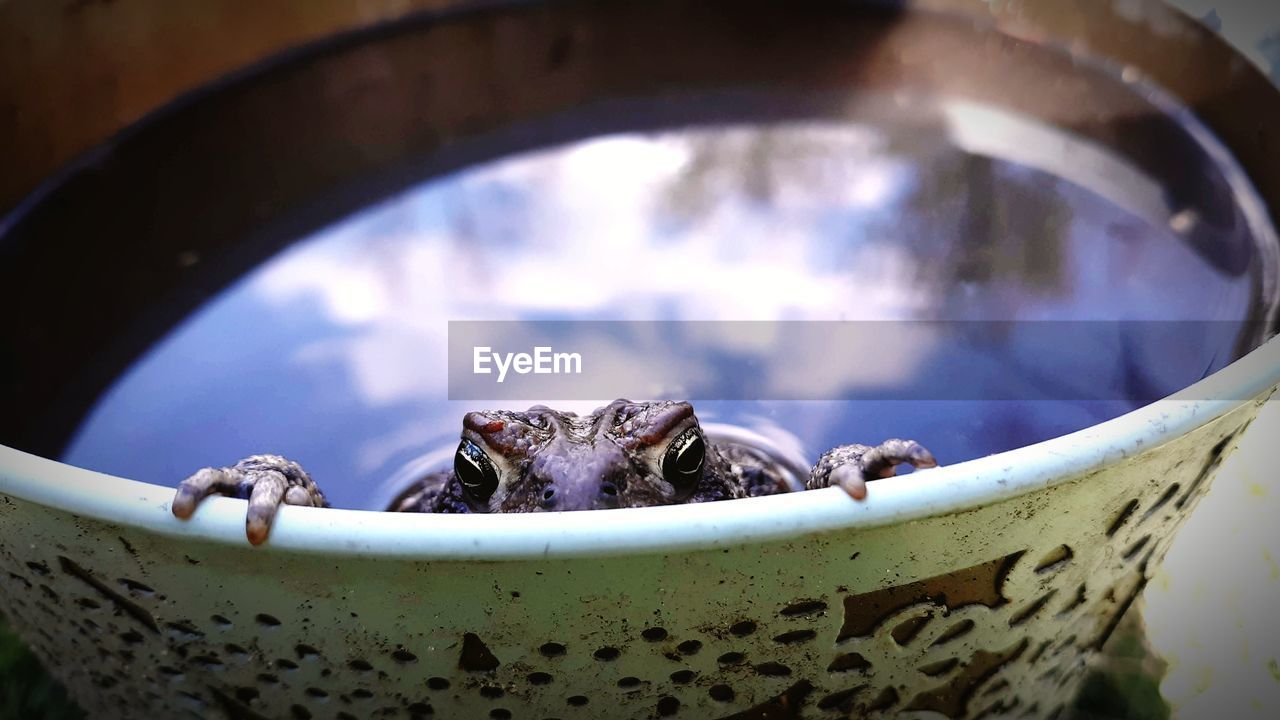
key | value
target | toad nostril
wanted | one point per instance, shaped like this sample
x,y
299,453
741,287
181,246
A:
x,y
609,489
549,497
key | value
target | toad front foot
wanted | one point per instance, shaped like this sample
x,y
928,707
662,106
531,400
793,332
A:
x,y
266,481
850,467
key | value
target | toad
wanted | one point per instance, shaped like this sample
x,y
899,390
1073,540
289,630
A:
x,y
625,454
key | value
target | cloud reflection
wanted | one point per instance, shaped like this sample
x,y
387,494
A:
x,y
334,352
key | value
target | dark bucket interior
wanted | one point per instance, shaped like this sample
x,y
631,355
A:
x,y
113,255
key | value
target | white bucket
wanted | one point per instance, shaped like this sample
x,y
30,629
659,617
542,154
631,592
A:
x,y
982,585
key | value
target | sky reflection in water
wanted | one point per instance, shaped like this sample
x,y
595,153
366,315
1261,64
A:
x,y
333,353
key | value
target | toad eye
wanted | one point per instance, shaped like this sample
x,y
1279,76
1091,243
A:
x,y
474,469
682,465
